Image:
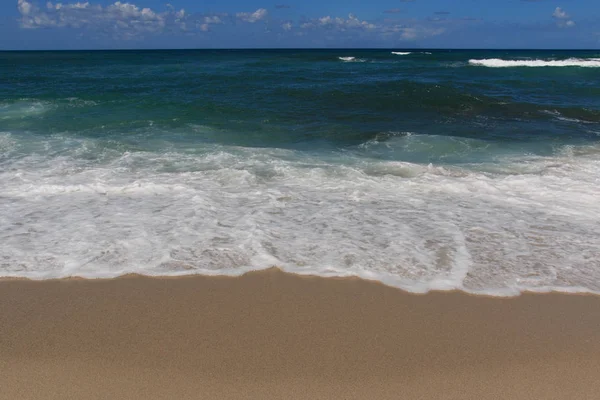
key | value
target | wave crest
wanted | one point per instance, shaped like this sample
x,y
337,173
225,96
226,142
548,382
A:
x,y
570,62
351,59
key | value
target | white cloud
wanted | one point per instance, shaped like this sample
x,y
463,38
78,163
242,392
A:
x,y
337,23
560,13
256,16
120,19
58,6
125,20
203,23
411,30
325,20
563,19
213,19
24,7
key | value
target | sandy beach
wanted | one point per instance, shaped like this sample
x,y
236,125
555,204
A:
x,y
272,335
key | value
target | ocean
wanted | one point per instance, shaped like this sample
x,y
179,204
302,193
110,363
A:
x,y
423,169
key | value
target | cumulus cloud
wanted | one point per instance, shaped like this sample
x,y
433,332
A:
x,y
409,30
337,23
256,16
121,20
212,19
560,13
124,19
563,19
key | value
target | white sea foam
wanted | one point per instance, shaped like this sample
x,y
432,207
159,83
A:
x,y
22,109
406,53
351,59
571,62
528,223
560,117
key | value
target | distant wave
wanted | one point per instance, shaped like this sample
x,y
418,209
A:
x,y
571,62
351,59
406,53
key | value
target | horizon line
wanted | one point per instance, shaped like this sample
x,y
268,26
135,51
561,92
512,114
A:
x,y
309,48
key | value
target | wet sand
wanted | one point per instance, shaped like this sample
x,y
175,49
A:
x,y
272,335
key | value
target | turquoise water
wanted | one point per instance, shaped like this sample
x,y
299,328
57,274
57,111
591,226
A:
x,y
471,170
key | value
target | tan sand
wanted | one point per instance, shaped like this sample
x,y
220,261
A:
x,y
271,335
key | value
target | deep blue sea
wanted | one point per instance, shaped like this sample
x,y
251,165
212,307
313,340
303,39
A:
x,y
424,169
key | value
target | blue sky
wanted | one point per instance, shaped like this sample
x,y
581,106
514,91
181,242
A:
x,y
31,24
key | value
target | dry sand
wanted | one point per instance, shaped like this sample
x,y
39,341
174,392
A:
x,y
271,335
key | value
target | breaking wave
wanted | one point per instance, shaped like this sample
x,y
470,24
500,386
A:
x,y
351,59
570,62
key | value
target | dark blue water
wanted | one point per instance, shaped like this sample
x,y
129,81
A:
x,y
475,170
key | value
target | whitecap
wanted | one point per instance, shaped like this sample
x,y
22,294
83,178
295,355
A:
x,y
571,62
351,59
406,53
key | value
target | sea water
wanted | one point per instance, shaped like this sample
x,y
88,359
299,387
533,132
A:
x,y
469,170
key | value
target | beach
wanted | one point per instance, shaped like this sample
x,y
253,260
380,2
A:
x,y
274,335
433,215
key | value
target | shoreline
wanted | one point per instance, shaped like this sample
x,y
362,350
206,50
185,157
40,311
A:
x,y
271,334
494,294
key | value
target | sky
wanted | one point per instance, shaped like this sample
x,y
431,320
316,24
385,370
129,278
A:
x,y
130,24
